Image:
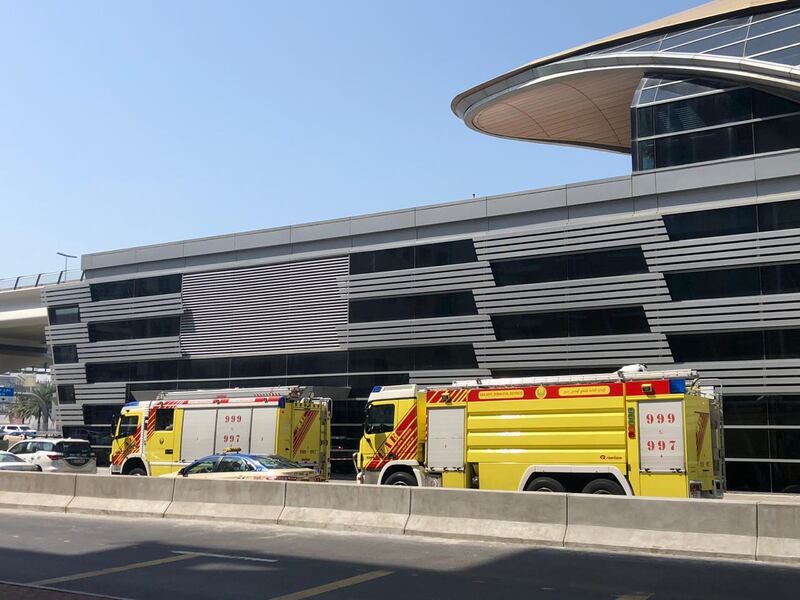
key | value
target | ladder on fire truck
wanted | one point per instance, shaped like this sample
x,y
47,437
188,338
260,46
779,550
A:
x,y
627,373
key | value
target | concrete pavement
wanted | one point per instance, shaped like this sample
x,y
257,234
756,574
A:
x,y
151,559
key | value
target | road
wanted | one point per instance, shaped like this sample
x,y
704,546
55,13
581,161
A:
x,y
150,559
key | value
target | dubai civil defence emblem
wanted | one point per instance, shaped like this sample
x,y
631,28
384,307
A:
x,y
541,392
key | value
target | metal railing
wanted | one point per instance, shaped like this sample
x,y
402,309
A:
x,y
40,279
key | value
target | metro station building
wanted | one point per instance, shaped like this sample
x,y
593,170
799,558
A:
x,y
693,259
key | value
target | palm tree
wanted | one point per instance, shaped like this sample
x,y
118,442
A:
x,y
35,403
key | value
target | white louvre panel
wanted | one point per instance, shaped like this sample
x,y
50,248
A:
x,y
448,278
197,438
65,294
446,438
263,309
416,332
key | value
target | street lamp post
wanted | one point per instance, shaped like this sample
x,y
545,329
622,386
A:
x,y
66,259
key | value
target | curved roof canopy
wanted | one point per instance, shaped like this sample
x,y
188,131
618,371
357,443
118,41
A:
x,y
583,96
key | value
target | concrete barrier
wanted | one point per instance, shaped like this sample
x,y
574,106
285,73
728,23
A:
x,y
243,501
36,491
778,532
347,507
488,515
711,528
118,495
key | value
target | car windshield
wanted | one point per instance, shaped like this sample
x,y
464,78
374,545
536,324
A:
x,y
275,462
9,458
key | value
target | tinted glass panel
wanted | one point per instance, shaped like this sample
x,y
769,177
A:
x,y
99,414
703,111
782,343
66,394
784,443
112,290
701,146
147,286
606,263
422,306
646,155
320,362
746,443
748,476
708,223
135,329
784,410
67,353
258,366
767,105
745,410
210,368
427,255
428,358
772,41
644,122
722,283
154,371
780,279
735,345
613,321
63,315
786,478
777,134
779,215
381,359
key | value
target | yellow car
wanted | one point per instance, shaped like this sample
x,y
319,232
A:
x,y
246,466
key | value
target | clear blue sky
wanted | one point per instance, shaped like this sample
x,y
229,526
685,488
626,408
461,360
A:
x,y
131,123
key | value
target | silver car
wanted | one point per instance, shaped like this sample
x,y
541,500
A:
x,y
9,462
60,455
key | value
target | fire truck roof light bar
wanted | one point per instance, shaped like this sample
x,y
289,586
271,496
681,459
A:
x,y
621,375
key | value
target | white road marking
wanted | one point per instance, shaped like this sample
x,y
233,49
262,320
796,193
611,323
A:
x,y
634,597
230,556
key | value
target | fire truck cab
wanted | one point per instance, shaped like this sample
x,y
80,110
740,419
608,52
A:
x,y
632,432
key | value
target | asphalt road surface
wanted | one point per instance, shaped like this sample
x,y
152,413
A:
x,y
150,559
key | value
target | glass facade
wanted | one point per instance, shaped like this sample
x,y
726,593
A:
x,y
672,129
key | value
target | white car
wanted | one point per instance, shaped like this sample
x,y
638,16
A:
x,y
18,430
9,462
61,455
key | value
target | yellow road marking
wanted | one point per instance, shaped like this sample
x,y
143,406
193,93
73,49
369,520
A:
x,y
334,585
111,570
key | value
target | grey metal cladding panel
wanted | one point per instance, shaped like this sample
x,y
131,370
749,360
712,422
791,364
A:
x,y
100,393
418,332
526,201
262,309
628,290
425,378
617,350
602,191
704,176
132,308
69,414
449,213
66,334
69,373
464,276
65,294
141,349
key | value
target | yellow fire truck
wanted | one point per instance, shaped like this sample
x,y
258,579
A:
x,y
633,432
160,437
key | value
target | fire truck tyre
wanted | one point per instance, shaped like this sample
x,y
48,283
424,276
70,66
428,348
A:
x,y
544,484
401,478
137,471
603,486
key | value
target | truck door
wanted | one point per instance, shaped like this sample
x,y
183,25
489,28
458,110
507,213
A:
x,y
378,424
161,445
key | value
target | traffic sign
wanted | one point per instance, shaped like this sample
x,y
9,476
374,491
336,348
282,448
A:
x,y
6,392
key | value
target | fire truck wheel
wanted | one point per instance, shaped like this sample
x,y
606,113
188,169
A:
x,y
603,486
544,484
137,471
401,478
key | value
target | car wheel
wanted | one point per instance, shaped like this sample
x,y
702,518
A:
x,y
603,486
38,468
137,471
545,484
401,478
